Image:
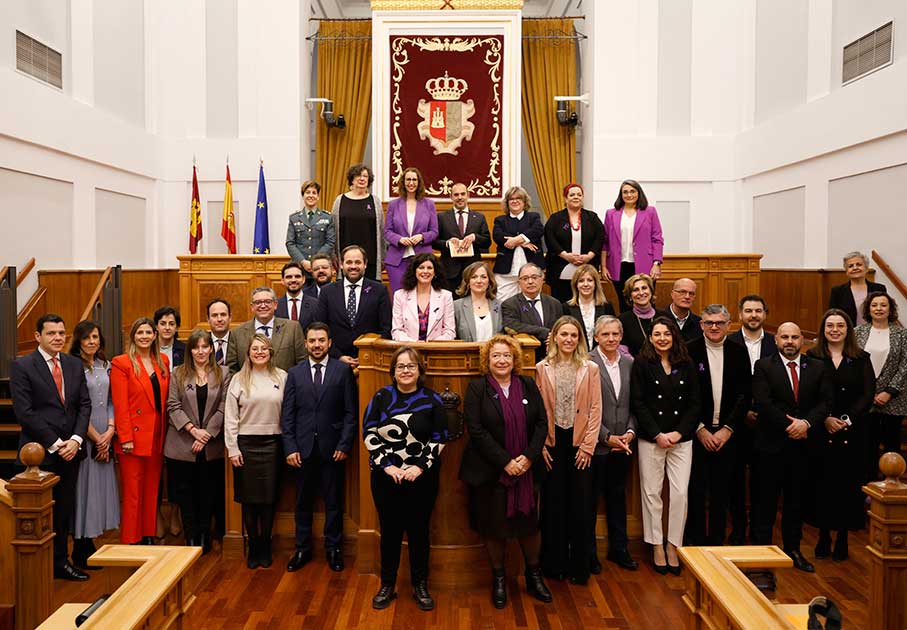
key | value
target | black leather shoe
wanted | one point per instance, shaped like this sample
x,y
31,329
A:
x,y
68,572
147,540
383,598
623,559
423,598
498,589
595,566
335,559
299,560
535,585
800,562
252,554
264,552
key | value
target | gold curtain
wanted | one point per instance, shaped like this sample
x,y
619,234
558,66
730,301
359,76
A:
x,y
549,70
344,76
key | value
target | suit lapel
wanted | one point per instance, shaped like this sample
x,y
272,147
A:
x,y
637,225
43,370
192,401
146,381
781,367
605,378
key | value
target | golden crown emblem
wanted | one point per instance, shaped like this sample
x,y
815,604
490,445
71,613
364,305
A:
x,y
446,88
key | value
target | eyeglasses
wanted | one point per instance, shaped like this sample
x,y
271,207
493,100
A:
x,y
406,367
684,292
262,302
534,276
714,324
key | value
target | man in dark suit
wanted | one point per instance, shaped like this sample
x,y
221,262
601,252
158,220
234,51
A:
x,y
51,402
322,275
617,432
683,294
725,392
758,344
294,304
287,339
352,306
458,228
318,422
530,311
844,296
792,394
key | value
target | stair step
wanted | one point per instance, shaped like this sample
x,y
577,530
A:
x,y
8,456
9,427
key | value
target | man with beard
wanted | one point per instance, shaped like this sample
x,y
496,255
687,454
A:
x,y
792,394
322,274
759,344
319,393
295,305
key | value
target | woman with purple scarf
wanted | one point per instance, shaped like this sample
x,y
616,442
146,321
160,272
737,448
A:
x,y
505,415
639,291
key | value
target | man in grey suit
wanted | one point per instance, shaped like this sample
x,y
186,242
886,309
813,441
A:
x,y
530,311
612,454
287,338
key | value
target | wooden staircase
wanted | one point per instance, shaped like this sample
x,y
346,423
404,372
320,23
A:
x,y
9,432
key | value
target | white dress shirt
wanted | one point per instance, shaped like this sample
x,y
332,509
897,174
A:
x,y
324,366
626,236
754,348
346,291
537,305
519,256
290,300
269,324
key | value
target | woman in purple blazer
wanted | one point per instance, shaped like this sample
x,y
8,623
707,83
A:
x,y
633,240
423,308
411,225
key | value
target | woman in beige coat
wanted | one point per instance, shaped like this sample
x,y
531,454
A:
x,y
571,389
194,446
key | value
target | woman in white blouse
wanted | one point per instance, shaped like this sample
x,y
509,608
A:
x,y
477,312
886,342
588,302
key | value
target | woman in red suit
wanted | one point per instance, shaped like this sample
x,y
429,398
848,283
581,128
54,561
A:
x,y
139,383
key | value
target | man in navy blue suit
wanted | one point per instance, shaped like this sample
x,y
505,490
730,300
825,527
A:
x,y
51,402
295,304
318,422
353,305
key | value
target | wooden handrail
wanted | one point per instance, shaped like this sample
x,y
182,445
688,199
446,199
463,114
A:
x,y
96,294
25,271
888,271
4,270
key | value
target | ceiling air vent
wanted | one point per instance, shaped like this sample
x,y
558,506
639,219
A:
x,y
867,54
38,60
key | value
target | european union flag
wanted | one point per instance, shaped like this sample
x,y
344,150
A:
x,y
261,244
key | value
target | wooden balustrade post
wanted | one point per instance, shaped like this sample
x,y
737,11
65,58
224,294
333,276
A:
x,y
888,546
33,539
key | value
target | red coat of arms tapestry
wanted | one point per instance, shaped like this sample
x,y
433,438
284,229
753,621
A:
x,y
446,114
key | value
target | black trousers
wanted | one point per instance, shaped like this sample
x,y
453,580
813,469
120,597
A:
x,y
326,476
193,487
609,478
744,458
565,511
64,494
405,508
783,474
884,429
710,484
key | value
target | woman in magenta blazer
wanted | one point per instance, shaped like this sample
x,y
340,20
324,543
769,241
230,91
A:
x,y
633,240
423,309
411,225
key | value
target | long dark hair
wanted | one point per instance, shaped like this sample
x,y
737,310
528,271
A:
x,y
185,373
851,349
409,281
83,329
677,354
641,203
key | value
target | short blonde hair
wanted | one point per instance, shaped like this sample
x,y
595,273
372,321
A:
x,y
632,280
515,349
490,292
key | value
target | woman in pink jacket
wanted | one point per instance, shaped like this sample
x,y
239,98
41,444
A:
x,y
411,226
423,309
633,241
571,389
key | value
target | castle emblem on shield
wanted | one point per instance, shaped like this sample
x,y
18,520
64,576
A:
x,y
445,119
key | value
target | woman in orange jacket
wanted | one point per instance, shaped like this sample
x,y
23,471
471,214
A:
x,y
139,383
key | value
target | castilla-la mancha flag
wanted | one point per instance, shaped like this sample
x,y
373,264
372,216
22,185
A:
x,y
228,225
195,216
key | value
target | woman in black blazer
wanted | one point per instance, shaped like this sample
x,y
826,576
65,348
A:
x,y
846,296
588,302
573,237
502,462
664,396
836,451
518,235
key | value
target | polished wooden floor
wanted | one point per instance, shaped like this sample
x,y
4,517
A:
x,y
315,597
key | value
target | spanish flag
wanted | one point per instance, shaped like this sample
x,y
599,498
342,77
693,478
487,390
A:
x,y
195,216
228,226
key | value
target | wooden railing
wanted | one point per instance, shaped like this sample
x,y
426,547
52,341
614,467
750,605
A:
x,y
95,300
888,271
105,307
7,319
25,271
